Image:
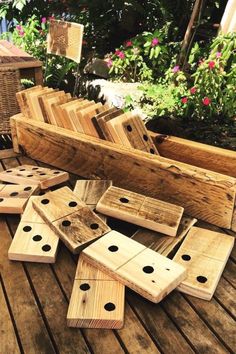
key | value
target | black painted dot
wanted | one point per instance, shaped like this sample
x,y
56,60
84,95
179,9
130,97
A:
x,y
27,188
8,171
94,226
30,176
186,257
27,228
124,200
66,223
109,306
148,269
37,238
22,169
113,248
35,168
72,204
168,269
129,128
145,137
153,281
84,286
42,174
56,172
13,194
44,201
46,248
152,151
1,200
201,279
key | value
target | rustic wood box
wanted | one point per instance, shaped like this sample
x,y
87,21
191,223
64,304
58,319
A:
x,y
200,178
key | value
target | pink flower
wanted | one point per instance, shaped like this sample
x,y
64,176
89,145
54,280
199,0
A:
x,y
211,64
128,44
21,33
44,20
18,27
109,63
193,90
117,52
155,42
218,54
184,100
121,55
206,101
175,69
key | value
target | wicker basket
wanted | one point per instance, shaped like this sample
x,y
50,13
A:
x,y
9,85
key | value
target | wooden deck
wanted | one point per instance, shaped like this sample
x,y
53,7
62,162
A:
x,y
34,301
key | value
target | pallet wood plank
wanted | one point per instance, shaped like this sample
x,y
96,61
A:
x,y
138,209
133,264
8,341
204,253
31,174
102,128
197,154
97,300
69,217
204,194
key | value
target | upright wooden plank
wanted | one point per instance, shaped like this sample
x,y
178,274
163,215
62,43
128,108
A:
x,y
131,131
143,270
70,218
197,154
101,125
97,300
34,175
204,194
85,118
141,210
8,341
204,253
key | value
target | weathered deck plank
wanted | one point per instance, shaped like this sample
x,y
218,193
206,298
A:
x,y
38,295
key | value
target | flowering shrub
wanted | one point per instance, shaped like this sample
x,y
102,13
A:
x,y
142,58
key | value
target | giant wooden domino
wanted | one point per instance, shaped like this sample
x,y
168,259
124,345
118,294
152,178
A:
x,y
129,130
161,243
151,213
70,218
90,191
204,253
97,300
33,241
134,265
13,198
34,175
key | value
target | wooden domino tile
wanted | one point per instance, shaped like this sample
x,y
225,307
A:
x,y
91,191
143,270
129,130
141,210
70,218
97,300
103,131
204,253
34,175
13,198
34,241
161,243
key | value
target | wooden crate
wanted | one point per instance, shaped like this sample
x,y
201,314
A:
x,y
205,194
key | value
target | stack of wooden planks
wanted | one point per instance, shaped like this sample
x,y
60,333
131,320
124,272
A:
x,y
81,115
109,260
